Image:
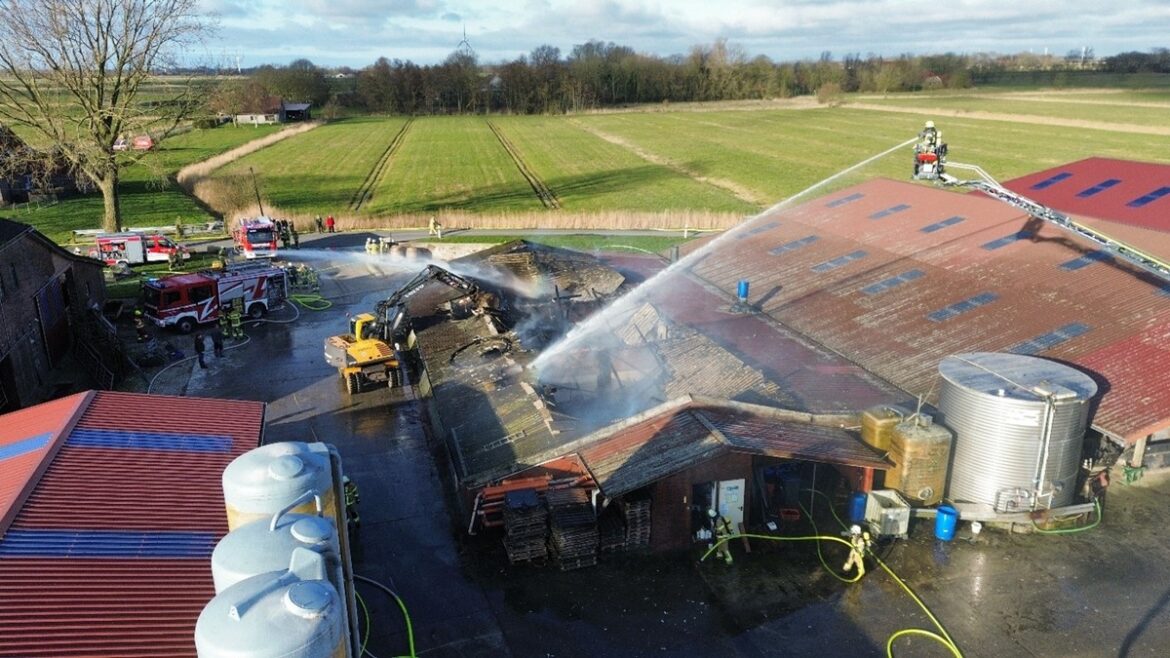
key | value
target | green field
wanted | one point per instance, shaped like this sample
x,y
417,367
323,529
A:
x,y
149,196
604,168
451,163
587,173
318,171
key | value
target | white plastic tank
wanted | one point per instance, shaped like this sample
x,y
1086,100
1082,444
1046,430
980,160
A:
x,y
292,613
263,481
263,546
1019,424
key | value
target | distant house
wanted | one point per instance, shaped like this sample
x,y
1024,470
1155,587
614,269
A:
x,y
277,111
50,301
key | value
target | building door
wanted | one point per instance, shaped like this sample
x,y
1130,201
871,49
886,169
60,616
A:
x,y
731,500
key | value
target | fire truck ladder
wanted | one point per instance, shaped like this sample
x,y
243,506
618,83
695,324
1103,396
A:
x,y
988,185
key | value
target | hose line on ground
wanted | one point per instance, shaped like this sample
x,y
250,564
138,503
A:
x,y
311,301
1069,531
401,604
366,635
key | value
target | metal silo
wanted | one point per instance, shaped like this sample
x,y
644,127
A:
x,y
1019,424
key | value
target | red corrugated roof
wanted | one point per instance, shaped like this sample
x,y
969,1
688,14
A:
x,y
29,438
1104,188
896,276
110,554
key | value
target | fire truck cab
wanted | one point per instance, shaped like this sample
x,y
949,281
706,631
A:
x,y
184,301
255,237
134,248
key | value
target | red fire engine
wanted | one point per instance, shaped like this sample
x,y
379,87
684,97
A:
x,y
255,237
133,248
186,300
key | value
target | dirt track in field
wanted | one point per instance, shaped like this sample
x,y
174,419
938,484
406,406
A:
x,y
1018,118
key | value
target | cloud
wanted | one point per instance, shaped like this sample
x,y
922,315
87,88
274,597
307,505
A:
x,y
356,32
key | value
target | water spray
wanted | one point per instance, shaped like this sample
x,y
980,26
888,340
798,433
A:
x,y
603,319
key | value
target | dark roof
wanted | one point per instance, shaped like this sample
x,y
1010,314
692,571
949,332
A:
x,y
9,230
296,107
689,431
109,550
897,276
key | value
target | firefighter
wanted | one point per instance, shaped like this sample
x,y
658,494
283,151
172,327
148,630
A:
x,y
352,498
225,323
860,542
319,223
200,346
930,137
217,341
236,318
140,326
435,228
721,531
296,237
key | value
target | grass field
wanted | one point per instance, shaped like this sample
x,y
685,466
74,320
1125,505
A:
x,y
706,166
149,197
451,163
319,171
587,173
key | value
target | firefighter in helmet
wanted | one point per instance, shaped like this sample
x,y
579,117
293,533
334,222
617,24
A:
x,y
236,318
930,137
860,542
352,498
721,531
140,326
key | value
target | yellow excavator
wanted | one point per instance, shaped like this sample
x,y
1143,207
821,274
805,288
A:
x,y
368,353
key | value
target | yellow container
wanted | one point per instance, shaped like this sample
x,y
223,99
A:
x,y
877,426
920,451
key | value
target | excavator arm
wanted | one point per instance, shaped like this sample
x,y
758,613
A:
x,y
389,311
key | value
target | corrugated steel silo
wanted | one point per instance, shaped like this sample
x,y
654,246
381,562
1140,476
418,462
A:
x,y
1019,424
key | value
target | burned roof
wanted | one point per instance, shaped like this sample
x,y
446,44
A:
x,y
897,276
490,413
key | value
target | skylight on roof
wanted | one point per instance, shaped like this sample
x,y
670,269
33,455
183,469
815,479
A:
x,y
959,308
1008,239
938,226
1049,182
1149,198
1051,339
1099,187
890,211
1095,256
893,282
839,261
794,245
836,203
758,229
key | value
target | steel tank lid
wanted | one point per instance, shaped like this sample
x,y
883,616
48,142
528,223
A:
x,y
1016,376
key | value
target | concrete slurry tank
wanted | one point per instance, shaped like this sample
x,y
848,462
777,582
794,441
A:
x,y
1019,424
266,480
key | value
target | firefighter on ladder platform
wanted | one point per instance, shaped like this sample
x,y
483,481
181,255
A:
x,y
353,520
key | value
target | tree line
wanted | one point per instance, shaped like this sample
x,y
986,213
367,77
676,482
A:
x,y
598,74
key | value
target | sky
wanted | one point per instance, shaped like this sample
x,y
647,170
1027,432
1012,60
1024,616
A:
x,y
356,32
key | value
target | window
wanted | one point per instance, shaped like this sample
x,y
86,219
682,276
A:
x,y
200,293
170,298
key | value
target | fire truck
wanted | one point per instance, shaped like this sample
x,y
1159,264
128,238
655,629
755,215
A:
x,y
255,237
184,301
134,248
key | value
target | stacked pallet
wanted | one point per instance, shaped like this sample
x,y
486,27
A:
x,y
574,528
612,533
525,526
637,514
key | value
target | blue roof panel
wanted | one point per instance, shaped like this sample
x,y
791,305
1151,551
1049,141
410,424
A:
x,y
107,543
901,207
835,203
1051,339
938,226
102,438
893,282
1099,187
958,308
1149,198
1049,182
794,245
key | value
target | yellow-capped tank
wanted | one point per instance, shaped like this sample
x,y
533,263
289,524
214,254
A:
x,y
920,450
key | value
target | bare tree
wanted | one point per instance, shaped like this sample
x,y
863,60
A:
x,y
76,72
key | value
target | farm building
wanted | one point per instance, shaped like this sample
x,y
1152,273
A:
x,y
110,507
276,111
673,416
858,297
50,301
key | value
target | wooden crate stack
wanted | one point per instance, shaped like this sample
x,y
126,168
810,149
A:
x,y
574,528
525,526
637,513
612,532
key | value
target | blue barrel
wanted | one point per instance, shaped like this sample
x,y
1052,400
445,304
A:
x,y
857,504
742,289
945,522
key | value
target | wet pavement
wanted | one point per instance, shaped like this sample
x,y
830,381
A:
x,y
1104,592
